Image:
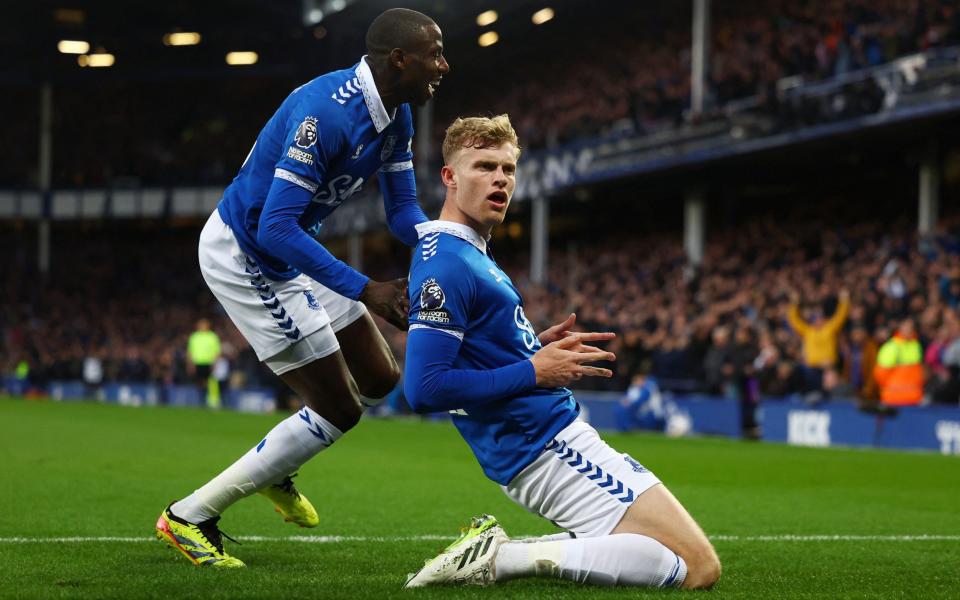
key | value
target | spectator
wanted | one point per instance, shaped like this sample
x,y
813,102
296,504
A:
x,y
899,370
203,350
819,336
718,365
787,380
859,360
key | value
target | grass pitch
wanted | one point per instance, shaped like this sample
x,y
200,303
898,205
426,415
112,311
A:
x,y
87,471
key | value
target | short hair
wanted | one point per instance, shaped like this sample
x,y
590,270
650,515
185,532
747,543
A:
x,y
478,132
396,28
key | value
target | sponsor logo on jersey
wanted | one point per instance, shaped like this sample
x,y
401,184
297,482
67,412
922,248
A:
x,y
338,190
311,300
306,135
300,155
388,145
431,295
530,339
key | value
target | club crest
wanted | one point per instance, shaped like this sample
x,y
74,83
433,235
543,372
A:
x,y
311,300
634,464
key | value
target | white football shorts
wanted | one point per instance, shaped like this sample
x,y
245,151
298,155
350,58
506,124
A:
x,y
580,483
288,323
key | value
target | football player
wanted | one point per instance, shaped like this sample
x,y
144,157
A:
x,y
304,312
472,351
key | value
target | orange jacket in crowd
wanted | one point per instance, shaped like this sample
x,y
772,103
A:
x,y
819,343
868,362
899,371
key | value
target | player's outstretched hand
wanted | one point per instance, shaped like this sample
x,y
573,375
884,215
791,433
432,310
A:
x,y
562,330
560,363
389,300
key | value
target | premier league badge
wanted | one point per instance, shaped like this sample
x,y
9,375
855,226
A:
x,y
431,295
307,133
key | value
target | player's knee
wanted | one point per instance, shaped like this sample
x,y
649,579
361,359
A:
x,y
347,413
350,416
341,407
380,386
703,570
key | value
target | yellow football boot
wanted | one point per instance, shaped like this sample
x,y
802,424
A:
x,y
201,543
291,504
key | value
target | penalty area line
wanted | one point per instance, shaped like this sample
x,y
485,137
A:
x,y
338,539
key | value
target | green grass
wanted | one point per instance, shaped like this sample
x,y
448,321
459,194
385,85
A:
x,y
95,470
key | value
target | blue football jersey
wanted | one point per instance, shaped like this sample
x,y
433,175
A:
x,y
329,136
456,287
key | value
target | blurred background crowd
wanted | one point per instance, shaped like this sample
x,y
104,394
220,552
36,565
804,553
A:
x,y
629,82
784,303
779,307
636,78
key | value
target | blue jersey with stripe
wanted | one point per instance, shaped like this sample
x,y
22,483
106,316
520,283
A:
x,y
329,137
457,288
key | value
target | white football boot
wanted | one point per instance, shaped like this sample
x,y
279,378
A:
x,y
467,561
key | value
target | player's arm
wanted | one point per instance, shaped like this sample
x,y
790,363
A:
x,y
442,296
279,231
398,184
296,178
431,384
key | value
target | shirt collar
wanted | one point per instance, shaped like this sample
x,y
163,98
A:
x,y
455,229
378,113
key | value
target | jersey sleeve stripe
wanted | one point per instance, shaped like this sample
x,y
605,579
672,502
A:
x,y
295,179
393,167
456,334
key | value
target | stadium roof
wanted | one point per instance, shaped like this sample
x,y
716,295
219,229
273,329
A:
x,y
284,33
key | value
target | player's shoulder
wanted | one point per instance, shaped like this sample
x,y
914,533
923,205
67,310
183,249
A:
x,y
335,96
447,248
440,251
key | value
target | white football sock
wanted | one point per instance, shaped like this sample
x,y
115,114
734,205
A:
x,y
290,444
621,559
553,537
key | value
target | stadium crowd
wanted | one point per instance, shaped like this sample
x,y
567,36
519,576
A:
x,y
642,84
772,311
117,306
727,329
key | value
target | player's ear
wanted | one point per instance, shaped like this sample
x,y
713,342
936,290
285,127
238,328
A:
x,y
448,176
396,58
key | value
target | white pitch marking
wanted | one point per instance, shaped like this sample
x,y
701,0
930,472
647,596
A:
x,y
336,539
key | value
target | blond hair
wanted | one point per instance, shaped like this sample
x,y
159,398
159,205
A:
x,y
479,132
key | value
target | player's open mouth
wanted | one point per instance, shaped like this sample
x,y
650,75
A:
x,y
433,85
498,198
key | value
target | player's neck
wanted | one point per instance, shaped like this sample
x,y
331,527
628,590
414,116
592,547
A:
x,y
389,95
448,213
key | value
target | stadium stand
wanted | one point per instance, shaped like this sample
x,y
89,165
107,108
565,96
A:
x,y
642,85
717,328
721,329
